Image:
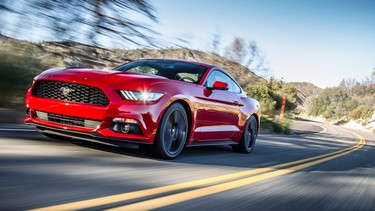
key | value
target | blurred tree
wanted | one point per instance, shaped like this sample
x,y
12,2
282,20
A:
x,y
254,53
256,60
236,51
248,54
86,21
216,43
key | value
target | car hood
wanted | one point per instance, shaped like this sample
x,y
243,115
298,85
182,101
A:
x,y
100,77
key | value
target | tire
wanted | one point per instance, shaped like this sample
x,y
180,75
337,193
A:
x,y
57,137
172,133
249,136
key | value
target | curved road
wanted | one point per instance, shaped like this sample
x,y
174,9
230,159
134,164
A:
x,y
319,167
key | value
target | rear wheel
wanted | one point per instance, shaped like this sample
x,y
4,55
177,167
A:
x,y
249,136
57,137
172,133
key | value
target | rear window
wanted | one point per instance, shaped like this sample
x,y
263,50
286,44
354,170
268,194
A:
x,y
175,70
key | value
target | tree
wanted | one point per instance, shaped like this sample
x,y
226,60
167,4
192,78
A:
x,y
348,84
248,54
236,51
254,53
255,59
81,21
216,43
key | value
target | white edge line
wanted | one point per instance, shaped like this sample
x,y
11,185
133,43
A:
x,y
323,128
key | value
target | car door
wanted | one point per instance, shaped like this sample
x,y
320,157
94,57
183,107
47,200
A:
x,y
218,111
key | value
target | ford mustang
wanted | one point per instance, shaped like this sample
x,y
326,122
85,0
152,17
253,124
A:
x,y
160,105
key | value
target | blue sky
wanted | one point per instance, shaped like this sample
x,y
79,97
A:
x,y
316,41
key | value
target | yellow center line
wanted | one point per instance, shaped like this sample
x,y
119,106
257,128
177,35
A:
x,y
201,192
84,204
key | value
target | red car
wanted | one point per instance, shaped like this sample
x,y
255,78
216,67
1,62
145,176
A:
x,y
161,105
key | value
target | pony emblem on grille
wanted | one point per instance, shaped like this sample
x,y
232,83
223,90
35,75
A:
x,y
66,90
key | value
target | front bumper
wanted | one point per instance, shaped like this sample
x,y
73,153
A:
x,y
91,137
145,114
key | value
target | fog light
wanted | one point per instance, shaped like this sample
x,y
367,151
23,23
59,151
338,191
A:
x,y
42,115
126,128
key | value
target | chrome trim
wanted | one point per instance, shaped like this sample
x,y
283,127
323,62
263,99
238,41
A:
x,y
217,128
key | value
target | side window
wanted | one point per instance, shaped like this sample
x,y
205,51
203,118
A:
x,y
219,76
236,88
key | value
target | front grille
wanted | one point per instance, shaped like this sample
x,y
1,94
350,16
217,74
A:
x,y
66,120
70,92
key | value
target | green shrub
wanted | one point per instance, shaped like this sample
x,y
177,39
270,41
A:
x,y
362,112
269,94
367,112
269,124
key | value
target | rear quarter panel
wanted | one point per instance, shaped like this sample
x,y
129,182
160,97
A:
x,y
250,107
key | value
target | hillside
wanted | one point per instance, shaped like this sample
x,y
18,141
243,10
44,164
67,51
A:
x,y
308,89
65,54
305,91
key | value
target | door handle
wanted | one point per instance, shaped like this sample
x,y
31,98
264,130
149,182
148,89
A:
x,y
236,103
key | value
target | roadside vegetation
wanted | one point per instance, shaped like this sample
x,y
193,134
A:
x,y
269,94
351,100
17,70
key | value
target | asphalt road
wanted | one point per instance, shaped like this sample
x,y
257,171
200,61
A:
x,y
37,172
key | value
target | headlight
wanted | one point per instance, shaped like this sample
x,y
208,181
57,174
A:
x,y
141,96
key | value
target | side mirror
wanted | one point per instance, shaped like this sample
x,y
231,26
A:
x,y
219,85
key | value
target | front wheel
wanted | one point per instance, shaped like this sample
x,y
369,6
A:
x,y
172,132
249,136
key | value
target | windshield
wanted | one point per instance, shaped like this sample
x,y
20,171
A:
x,y
176,70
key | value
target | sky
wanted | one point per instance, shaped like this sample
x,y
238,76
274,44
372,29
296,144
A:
x,y
317,41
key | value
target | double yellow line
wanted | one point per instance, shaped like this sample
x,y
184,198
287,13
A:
x,y
230,181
